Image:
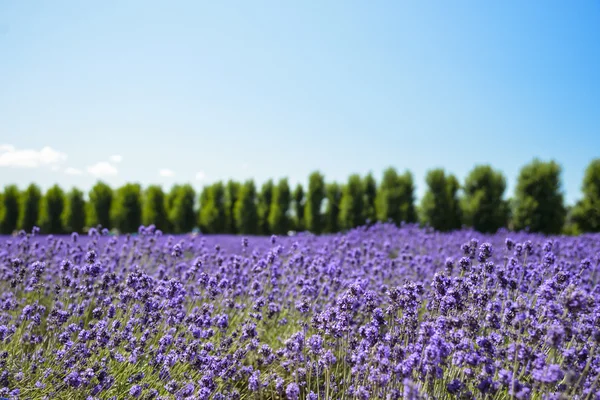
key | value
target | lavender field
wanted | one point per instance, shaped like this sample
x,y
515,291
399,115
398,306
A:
x,y
378,313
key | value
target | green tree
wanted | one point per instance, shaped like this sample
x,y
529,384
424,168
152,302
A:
x,y
154,209
352,204
74,213
171,197
586,213
202,210
395,199
483,206
31,199
313,217
99,206
246,214
9,210
213,213
265,198
279,221
332,212
538,198
232,190
298,205
126,211
53,206
370,189
440,205
182,213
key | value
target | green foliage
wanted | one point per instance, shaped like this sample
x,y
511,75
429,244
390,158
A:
x,y
182,214
440,206
279,221
352,204
246,214
370,189
213,212
483,206
314,200
154,209
99,206
231,195
31,200
299,202
9,210
203,208
586,213
126,212
265,198
538,198
332,212
395,199
74,214
53,206
227,208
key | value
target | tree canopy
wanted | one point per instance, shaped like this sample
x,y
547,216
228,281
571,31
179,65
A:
x,y
483,205
539,205
440,207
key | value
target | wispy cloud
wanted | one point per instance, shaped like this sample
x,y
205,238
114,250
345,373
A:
x,y
10,156
200,175
73,171
116,158
166,173
102,168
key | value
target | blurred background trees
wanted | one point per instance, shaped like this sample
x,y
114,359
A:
x,y
31,199
538,200
9,211
314,199
213,217
181,212
279,218
154,209
298,205
483,205
53,205
245,210
440,208
395,199
264,207
352,204
232,191
586,213
126,212
332,212
99,205
74,214
324,207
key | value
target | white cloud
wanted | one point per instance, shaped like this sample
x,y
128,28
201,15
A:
x,y
29,158
200,176
73,171
116,158
166,173
102,168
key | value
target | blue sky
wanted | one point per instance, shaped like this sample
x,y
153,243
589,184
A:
x,y
197,91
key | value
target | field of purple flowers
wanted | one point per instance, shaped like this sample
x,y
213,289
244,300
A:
x,y
378,313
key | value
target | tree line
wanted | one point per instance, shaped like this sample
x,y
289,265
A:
x,y
240,208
